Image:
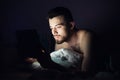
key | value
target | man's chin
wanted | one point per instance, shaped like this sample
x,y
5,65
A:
x,y
59,42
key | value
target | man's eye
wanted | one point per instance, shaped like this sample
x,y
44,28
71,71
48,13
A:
x,y
58,27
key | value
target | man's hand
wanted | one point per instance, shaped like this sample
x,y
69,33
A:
x,y
34,63
31,60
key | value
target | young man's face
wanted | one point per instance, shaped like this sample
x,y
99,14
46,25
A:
x,y
58,29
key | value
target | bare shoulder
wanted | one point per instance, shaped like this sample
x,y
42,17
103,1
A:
x,y
86,37
84,33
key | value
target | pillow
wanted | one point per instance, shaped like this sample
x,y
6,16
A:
x,y
66,58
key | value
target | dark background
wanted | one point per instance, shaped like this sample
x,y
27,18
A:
x,y
101,16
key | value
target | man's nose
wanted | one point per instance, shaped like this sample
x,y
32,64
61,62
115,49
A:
x,y
54,31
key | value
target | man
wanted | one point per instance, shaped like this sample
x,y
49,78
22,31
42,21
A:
x,y
67,36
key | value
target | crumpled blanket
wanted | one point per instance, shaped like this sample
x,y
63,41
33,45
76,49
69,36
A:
x,y
66,58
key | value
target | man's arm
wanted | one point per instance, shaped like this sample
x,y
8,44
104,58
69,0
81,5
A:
x,y
85,47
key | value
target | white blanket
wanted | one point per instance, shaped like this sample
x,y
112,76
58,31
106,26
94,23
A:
x,y
66,58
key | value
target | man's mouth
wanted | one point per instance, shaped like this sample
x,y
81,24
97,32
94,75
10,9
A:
x,y
56,36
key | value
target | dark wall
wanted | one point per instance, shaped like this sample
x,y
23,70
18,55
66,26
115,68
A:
x,y
98,15
102,16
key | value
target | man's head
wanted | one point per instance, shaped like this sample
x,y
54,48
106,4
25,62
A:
x,y
61,24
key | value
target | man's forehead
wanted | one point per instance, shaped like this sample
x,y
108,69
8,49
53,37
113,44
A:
x,y
56,21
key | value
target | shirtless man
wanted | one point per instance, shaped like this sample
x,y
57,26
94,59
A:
x,y
67,36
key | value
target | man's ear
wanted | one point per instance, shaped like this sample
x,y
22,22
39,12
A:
x,y
72,25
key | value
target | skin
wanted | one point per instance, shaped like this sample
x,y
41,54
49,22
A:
x,y
66,37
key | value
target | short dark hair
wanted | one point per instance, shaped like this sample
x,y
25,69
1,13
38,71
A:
x,y
60,11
